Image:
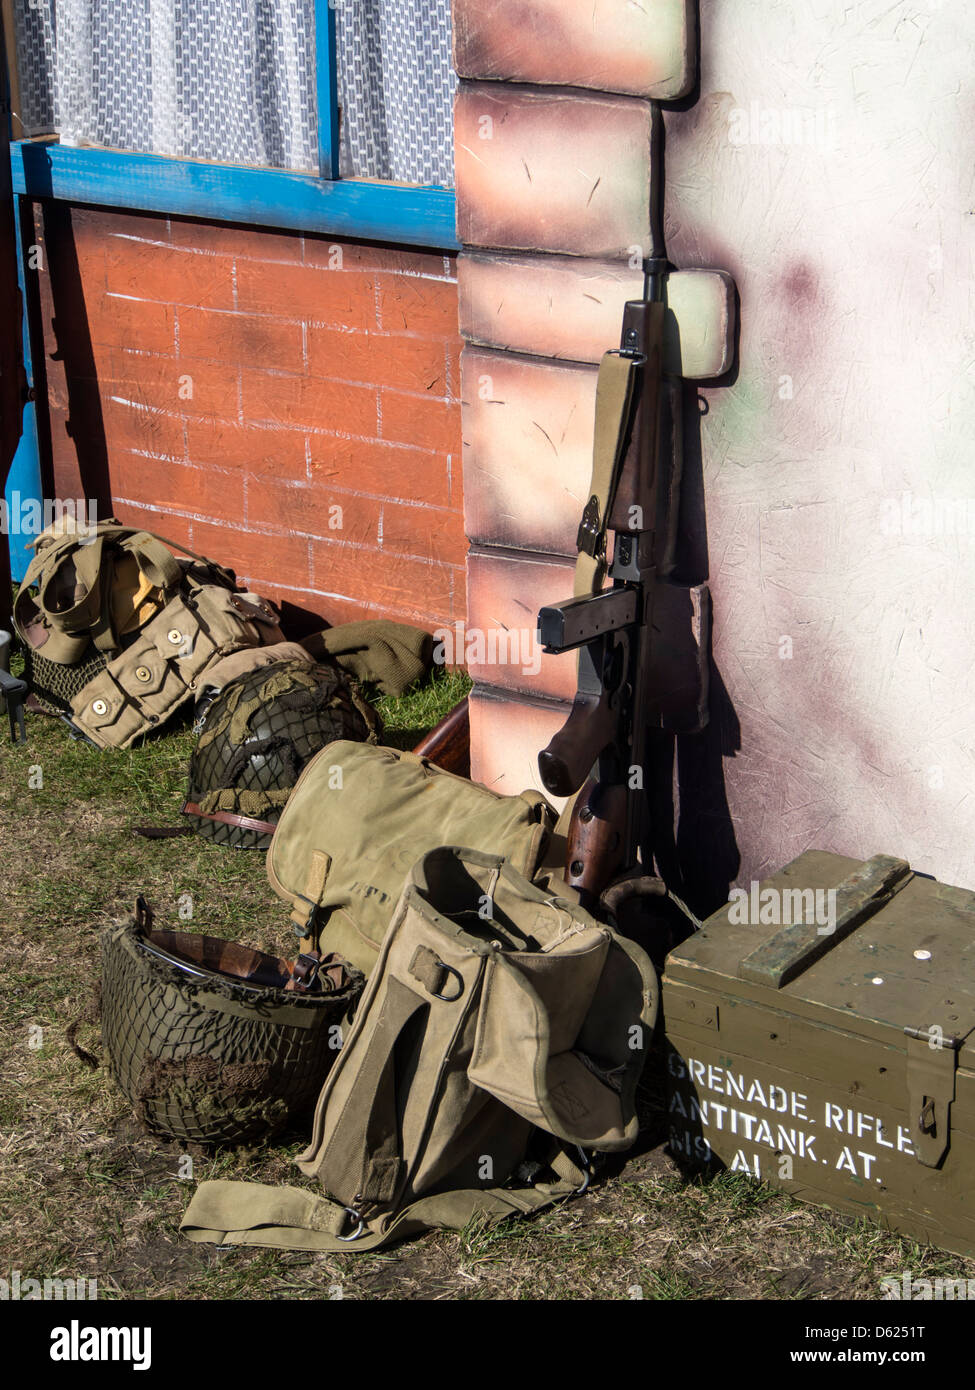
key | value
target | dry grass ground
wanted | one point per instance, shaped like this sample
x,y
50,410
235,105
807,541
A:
x,y
87,1193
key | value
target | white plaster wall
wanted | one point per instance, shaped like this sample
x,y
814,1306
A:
x,y
853,255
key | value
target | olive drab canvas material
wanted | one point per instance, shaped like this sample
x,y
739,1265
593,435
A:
x,y
229,668
143,686
821,1037
118,632
501,1035
390,655
358,820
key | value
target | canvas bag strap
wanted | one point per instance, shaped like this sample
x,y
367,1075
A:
x,y
154,559
241,1213
89,610
361,1158
305,904
224,575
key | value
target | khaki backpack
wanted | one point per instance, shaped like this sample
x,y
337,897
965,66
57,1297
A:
x,y
357,821
501,1036
118,632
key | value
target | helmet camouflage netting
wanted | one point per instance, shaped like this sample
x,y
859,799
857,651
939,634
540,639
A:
x,y
256,736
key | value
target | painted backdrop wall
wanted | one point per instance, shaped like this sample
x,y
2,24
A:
x,y
828,164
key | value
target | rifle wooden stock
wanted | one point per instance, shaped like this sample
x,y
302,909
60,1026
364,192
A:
x,y
449,744
596,841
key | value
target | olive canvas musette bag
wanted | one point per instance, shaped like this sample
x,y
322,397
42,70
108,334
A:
x,y
501,1035
357,821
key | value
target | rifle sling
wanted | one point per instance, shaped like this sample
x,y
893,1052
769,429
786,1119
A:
x,y
615,399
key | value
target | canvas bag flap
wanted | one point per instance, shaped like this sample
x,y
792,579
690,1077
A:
x,y
357,821
569,1017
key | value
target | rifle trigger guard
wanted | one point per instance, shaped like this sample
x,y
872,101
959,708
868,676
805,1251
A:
x,y
618,657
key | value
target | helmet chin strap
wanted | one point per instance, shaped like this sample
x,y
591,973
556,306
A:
x,y
190,808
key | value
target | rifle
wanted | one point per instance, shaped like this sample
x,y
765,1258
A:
x,y
640,667
449,743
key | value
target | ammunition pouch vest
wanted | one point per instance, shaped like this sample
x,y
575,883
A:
x,y
357,821
501,1035
211,1041
118,632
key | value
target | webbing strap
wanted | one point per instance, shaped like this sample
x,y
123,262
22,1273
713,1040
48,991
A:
x,y
251,1213
362,1155
155,561
305,903
243,1213
211,565
92,614
615,397
103,630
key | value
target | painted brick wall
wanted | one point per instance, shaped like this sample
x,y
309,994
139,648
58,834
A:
x,y
286,404
557,173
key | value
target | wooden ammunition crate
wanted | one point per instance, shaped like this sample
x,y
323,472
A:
x,y
825,1044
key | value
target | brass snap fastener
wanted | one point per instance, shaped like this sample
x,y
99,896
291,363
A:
x,y
99,707
143,673
175,636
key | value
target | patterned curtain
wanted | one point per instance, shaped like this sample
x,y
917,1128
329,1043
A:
x,y
396,90
233,81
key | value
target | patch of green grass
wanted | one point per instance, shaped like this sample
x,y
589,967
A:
x,y
666,1286
482,1239
424,705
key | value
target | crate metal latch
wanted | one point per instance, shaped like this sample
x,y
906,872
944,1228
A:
x,y
932,1060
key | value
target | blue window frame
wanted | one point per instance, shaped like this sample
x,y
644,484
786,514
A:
x,y
413,215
